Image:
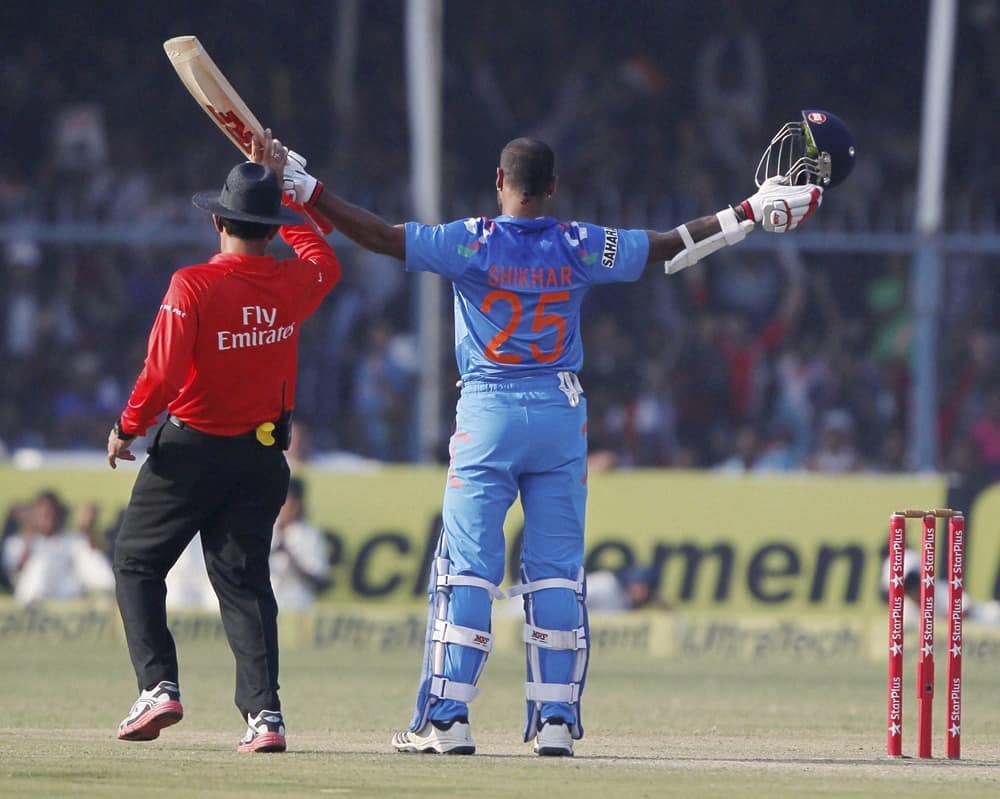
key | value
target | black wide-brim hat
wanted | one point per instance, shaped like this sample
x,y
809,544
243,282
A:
x,y
251,193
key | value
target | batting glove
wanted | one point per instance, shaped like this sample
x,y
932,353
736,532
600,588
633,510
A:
x,y
299,186
776,206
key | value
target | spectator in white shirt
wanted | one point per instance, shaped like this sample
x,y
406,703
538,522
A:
x,y
44,560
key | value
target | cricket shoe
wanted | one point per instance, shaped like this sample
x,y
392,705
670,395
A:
x,y
441,737
554,739
156,708
265,733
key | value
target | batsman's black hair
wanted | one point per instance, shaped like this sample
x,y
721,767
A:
x,y
529,165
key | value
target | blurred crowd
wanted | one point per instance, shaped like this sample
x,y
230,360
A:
x,y
761,359
50,551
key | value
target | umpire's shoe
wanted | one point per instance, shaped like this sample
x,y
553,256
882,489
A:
x,y
156,708
554,739
265,733
441,737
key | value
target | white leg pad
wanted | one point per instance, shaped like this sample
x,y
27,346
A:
x,y
538,639
441,633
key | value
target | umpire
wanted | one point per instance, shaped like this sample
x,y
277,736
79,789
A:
x,y
221,361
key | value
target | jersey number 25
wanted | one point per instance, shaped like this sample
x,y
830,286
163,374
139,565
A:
x,y
539,321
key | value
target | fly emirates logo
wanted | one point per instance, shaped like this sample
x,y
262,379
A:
x,y
260,330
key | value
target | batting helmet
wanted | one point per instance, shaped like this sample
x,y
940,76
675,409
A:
x,y
819,149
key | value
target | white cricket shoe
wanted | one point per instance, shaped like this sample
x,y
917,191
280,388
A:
x,y
156,708
440,737
554,739
265,733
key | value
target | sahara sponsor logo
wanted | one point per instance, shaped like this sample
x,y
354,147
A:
x,y
610,247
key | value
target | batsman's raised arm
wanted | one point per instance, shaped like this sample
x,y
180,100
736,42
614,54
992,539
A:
x,y
360,226
776,206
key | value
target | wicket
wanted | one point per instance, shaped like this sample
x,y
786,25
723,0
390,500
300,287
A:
x,y
925,657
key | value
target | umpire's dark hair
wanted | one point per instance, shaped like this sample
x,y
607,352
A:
x,y
250,231
529,165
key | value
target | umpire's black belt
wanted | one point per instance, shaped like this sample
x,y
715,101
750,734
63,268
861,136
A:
x,y
182,425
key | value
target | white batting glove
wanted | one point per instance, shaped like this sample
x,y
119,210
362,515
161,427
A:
x,y
776,206
299,186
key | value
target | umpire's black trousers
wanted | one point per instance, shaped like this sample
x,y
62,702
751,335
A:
x,y
231,490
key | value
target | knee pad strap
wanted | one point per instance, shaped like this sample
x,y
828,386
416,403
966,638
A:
x,y
549,582
448,580
443,688
553,692
555,639
448,633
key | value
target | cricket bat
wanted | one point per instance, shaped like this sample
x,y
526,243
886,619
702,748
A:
x,y
220,101
213,92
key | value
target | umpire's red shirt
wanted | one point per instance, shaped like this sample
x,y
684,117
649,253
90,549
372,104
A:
x,y
225,341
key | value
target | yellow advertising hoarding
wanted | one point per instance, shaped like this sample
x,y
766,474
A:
x,y
776,544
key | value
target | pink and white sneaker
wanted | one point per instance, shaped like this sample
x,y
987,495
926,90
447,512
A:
x,y
265,733
156,708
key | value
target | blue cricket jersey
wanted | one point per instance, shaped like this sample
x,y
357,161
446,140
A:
x,y
519,285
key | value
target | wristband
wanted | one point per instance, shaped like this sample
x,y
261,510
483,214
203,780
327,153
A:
x,y
317,191
117,429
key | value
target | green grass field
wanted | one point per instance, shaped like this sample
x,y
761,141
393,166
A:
x,y
655,727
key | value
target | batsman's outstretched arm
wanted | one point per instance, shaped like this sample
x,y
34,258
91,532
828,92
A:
x,y
665,246
778,207
362,226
